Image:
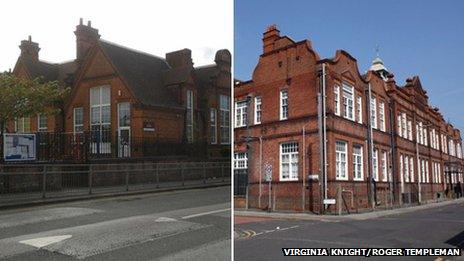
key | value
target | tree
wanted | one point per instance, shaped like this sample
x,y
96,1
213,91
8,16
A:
x,y
26,98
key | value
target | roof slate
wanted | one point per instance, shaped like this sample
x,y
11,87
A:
x,y
142,72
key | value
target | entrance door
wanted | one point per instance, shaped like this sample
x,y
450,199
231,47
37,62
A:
x,y
124,132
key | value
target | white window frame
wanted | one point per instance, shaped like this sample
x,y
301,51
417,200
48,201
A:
x,y
21,123
39,127
241,113
358,163
348,102
337,100
400,126
382,116
406,169
375,164
102,146
257,110
384,166
341,160
240,160
373,108
213,125
283,105
291,150
224,107
421,135
439,172
404,125
411,168
425,136
80,125
410,130
427,171
359,109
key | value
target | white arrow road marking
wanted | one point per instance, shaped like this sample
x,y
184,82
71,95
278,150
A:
x,y
165,219
206,213
44,241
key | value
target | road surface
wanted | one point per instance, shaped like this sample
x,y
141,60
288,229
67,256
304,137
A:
x,y
181,225
262,238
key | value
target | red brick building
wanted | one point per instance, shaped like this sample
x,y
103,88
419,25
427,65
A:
x,y
124,102
384,143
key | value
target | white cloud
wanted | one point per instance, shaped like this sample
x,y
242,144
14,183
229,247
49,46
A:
x,y
156,27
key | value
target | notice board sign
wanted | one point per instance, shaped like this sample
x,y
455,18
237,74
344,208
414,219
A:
x,y
19,147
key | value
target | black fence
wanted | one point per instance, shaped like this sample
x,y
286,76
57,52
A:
x,y
86,146
240,182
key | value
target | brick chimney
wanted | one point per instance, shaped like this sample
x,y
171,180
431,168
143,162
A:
x,y
269,37
86,37
180,58
391,83
30,49
223,59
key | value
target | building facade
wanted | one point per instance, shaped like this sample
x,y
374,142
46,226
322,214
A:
x,y
324,131
127,103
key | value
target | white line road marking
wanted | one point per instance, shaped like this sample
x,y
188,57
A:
x,y
44,241
206,213
273,230
287,228
165,219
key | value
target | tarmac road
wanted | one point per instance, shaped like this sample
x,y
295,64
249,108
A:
x,y
263,237
180,225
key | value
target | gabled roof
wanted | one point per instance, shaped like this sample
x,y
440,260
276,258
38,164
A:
x,y
415,84
142,72
48,71
62,72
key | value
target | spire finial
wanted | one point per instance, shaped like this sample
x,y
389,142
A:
x,y
377,50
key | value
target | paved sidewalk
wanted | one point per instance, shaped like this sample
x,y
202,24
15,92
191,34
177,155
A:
x,y
31,199
361,216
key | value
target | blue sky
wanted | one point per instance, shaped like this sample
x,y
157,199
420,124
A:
x,y
424,38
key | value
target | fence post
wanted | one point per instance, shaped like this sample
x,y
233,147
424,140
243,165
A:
x,y
182,174
127,180
157,176
44,181
90,178
204,172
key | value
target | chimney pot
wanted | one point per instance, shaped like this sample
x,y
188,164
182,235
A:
x,y
81,21
86,37
30,38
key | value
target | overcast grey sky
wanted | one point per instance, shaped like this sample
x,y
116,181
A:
x,y
155,27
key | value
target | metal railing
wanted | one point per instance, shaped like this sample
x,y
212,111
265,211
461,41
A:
x,y
31,182
90,145
240,182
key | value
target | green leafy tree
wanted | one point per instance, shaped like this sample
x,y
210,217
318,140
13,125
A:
x,y
26,98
